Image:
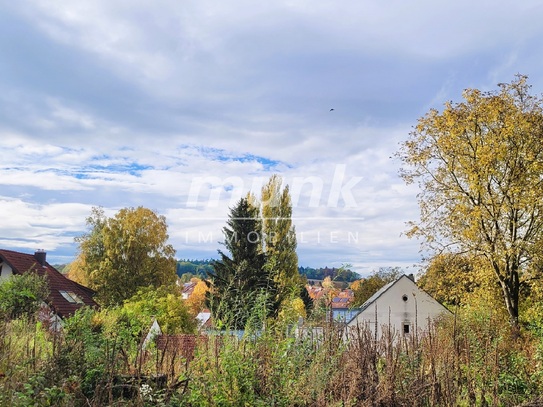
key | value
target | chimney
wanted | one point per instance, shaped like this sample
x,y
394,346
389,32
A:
x,y
411,277
40,256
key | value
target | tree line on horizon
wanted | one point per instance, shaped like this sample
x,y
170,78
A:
x,y
479,165
188,268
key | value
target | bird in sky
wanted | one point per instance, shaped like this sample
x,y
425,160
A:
x,y
331,110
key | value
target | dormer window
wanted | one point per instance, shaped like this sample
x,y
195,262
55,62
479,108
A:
x,y
71,297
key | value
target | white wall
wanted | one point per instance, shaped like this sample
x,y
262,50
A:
x,y
392,310
6,272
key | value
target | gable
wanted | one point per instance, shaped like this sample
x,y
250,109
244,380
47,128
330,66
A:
x,y
400,300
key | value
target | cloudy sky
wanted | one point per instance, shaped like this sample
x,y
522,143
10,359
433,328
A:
x,y
181,106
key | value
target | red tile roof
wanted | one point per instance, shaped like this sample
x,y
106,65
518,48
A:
x,y
342,299
21,263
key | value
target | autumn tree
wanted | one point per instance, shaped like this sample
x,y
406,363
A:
x,y
240,278
279,239
75,271
196,301
479,164
119,255
460,279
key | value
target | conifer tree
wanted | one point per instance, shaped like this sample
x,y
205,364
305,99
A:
x,y
240,279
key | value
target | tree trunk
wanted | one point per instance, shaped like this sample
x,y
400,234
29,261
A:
x,y
510,290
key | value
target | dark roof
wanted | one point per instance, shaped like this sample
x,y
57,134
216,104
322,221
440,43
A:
x,y
22,263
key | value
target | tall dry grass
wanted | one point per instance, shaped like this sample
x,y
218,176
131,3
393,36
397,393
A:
x,y
467,360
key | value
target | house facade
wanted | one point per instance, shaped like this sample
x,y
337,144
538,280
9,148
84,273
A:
x,y
400,306
65,296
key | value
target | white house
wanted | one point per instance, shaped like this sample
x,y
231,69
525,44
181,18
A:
x,y
400,306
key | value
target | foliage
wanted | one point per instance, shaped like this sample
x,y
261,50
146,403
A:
x,y
264,368
238,281
76,271
22,295
465,359
163,303
121,254
479,164
337,274
365,288
193,268
458,279
187,269
279,238
196,301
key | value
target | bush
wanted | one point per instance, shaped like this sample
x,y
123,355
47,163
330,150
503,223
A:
x,y
22,295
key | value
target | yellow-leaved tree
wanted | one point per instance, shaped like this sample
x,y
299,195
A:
x,y
122,254
457,279
479,164
279,241
196,301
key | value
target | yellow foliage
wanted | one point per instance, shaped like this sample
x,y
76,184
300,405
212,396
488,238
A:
x,y
292,309
196,300
479,164
77,271
355,285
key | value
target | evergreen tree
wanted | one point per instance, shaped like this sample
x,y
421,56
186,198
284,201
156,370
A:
x,y
240,280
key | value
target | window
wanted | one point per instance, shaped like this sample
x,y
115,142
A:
x,y
404,297
71,297
406,326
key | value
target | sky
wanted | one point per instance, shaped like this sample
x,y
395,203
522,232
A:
x,y
182,107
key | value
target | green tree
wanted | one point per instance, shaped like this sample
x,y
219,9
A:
x,y
280,239
124,253
479,165
239,280
163,303
22,295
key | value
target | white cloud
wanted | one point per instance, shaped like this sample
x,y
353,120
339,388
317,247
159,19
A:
x,y
126,103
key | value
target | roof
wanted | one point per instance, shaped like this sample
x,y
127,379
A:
x,y
65,296
188,288
375,296
380,292
342,299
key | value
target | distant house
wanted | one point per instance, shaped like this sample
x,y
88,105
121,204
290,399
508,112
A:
x,y
400,306
65,296
187,290
204,320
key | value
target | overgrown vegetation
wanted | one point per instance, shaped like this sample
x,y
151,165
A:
x,y
480,166
22,295
99,359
